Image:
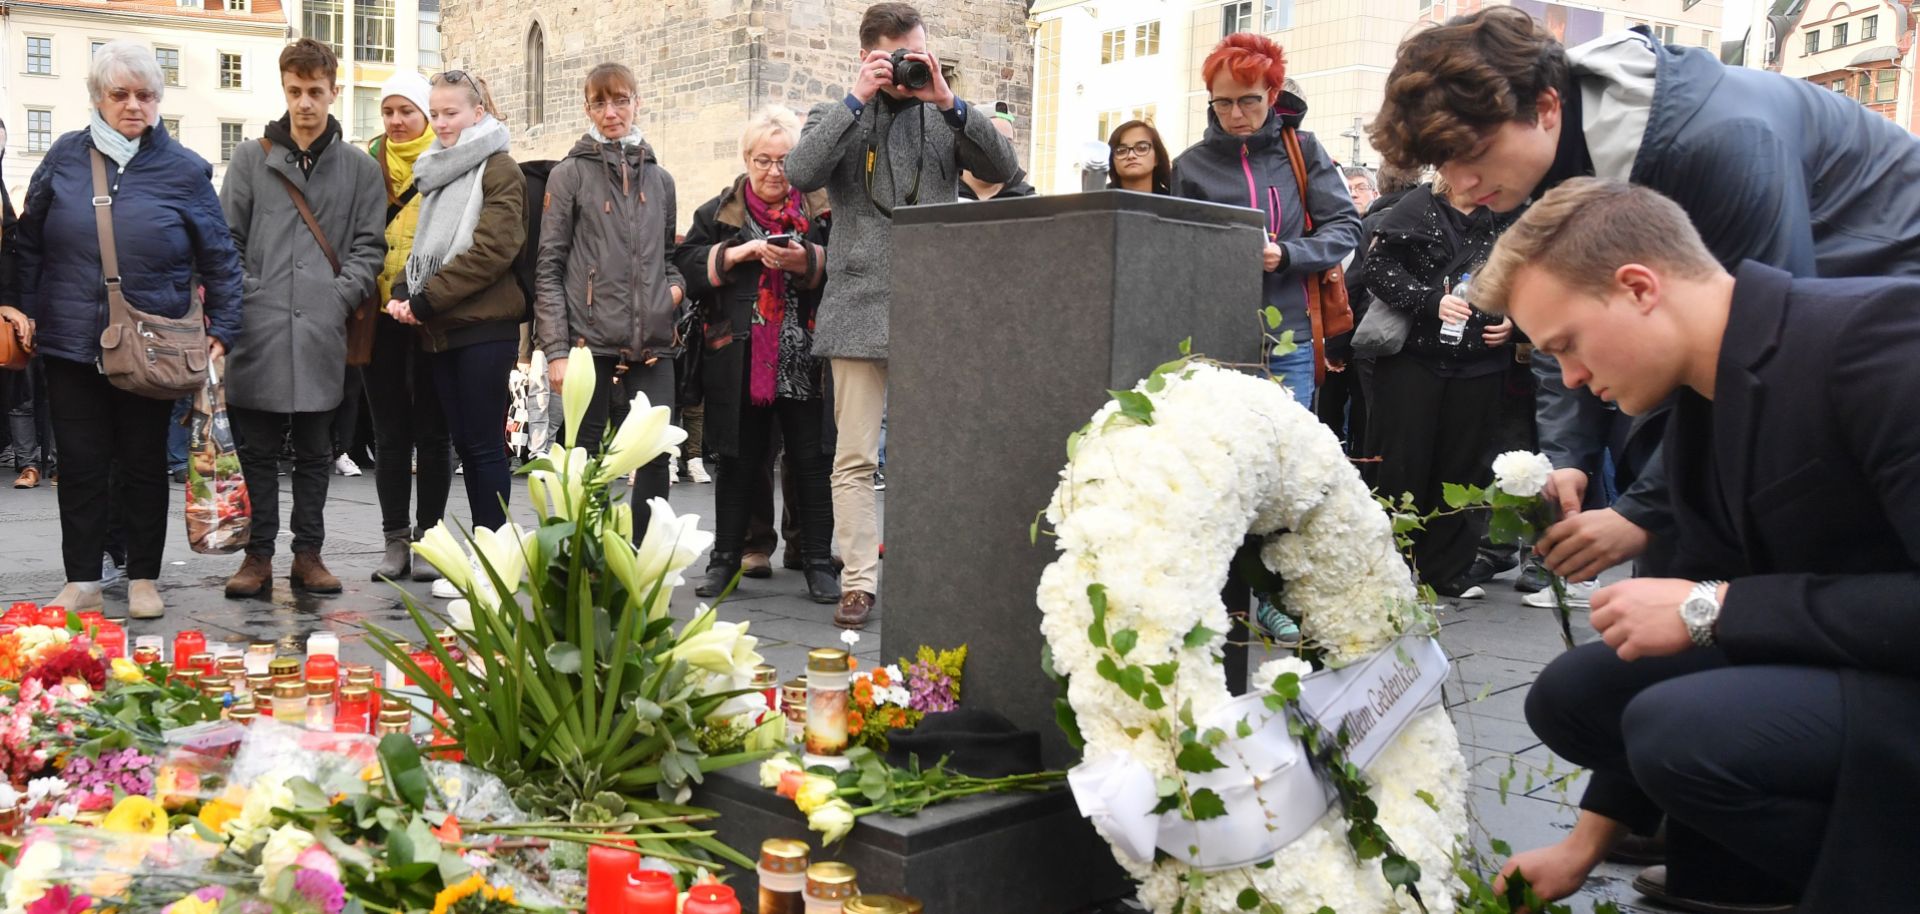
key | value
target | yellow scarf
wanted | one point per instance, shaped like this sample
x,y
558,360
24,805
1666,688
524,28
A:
x,y
399,159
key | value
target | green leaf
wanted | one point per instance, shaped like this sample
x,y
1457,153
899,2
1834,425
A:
x,y
1134,405
1197,758
1097,632
1248,900
563,657
1454,494
1400,871
1186,346
1273,316
1428,799
1500,847
1163,673
1156,383
1166,787
401,759
1287,686
1199,637
1108,671
1150,697
1124,641
1506,526
1068,722
1243,729
1207,805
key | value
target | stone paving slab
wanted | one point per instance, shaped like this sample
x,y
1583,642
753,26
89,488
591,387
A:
x,y
1498,644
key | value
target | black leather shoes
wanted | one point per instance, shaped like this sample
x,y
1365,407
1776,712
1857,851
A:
x,y
823,582
721,570
1652,882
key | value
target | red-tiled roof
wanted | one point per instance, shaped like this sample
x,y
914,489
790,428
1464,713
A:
x,y
262,11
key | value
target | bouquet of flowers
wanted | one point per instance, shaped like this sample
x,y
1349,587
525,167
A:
x,y
900,695
826,797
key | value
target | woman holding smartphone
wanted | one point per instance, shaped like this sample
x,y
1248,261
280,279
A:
x,y
755,260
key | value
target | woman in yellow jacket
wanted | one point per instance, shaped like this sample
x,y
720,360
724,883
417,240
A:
x,y
408,423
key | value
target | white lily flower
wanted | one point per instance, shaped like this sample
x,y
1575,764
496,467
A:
x,y
444,553
460,613
619,555
622,518
647,434
537,493
501,549
577,390
672,541
724,649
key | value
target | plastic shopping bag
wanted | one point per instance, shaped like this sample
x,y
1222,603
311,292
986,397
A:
x,y
219,515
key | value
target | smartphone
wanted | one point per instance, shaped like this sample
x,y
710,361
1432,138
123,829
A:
x,y
782,240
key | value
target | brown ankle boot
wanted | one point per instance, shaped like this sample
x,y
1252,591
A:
x,y
254,578
311,575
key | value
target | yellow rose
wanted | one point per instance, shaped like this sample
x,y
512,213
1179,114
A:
x,y
217,813
125,670
815,791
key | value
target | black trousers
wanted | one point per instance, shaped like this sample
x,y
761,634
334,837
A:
x,y
409,427
1431,430
473,388
763,535
114,450
612,399
1342,406
260,436
741,475
346,417
1742,760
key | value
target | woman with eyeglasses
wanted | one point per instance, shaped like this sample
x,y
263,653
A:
x,y
458,289
756,259
1243,160
409,427
606,276
168,229
1137,160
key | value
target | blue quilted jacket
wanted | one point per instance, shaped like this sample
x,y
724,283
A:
x,y
168,229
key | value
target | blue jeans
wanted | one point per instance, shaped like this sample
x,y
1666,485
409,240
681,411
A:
x,y
177,435
1295,369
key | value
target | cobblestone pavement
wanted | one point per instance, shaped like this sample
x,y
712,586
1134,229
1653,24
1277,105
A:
x,y
1498,644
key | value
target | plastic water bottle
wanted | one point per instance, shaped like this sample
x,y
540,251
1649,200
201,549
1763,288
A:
x,y
1452,332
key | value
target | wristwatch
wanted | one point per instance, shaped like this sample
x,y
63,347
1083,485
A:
x,y
1700,611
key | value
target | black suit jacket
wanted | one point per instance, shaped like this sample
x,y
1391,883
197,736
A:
x,y
1800,484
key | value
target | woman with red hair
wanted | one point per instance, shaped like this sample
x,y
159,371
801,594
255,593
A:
x,y
1243,161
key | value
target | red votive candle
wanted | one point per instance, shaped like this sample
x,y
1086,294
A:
x,y
323,666
54,616
112,640
607,869
711,899
188,642
22,613
653,892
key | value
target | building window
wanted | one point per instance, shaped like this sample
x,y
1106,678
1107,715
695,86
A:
x,y
231,136
1113,45
1146,39
1862,87
1839,85
366,113
1665,34
429,34
1870,28
1706,41
173,127
373,30
39,129
1840,35
39,56
1046,104
233,71
1813,42
536,74
189,4
1886,85
93,48
320,21
1236,17
169,60
1279,16
1111,120
237,6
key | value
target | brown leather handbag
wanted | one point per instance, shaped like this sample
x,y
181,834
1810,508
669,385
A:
x,y
360,324
1328,311
143,354
14,353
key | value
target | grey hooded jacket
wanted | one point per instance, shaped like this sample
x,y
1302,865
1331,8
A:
x,y
1255,171
606,275
901,139
1769,168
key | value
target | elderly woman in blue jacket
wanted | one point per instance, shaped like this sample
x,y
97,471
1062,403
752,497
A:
x,y
168,232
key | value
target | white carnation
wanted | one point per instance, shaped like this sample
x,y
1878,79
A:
x,y
1521,473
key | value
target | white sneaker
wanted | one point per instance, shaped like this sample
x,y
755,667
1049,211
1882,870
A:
x,y
1579,596
345,466
697,469
445,590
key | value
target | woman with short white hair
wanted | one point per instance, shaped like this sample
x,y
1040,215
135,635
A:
x,y
169,233
755,261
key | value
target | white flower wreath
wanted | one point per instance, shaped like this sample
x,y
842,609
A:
x,y
1159,493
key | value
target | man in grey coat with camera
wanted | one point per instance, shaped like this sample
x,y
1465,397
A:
x,y
899,138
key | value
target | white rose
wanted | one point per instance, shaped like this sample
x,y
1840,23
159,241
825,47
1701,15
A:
x,y
1521,473
284,846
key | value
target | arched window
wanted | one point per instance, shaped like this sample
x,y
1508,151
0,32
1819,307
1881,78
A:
x,y
536,75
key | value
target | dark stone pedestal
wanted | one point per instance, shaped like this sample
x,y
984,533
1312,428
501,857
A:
x,y
1028,853
1011,319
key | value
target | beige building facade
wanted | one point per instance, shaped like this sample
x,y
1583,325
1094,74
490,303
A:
x,y
218,58
373,39
704,66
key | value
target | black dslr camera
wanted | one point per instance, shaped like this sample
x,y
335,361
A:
x,y
910,74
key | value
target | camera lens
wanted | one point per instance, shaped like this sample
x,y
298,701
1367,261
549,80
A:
x,y
911,74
